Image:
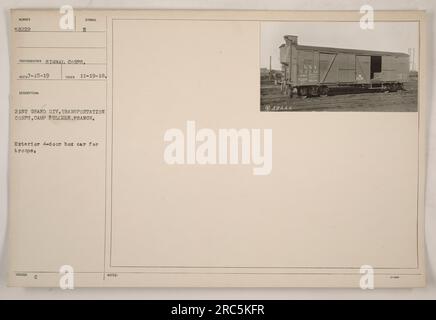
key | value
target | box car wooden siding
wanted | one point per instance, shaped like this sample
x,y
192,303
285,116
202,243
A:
x,y
315,66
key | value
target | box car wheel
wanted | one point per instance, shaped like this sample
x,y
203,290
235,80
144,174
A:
x,y
303,92
394,87
323,91
314,91
390,87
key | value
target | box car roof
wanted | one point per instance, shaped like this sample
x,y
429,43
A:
x,y
355,51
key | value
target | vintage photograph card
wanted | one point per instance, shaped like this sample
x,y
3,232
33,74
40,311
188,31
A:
x,y
217,148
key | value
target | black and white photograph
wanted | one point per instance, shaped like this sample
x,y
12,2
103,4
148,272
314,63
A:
x,y
339,66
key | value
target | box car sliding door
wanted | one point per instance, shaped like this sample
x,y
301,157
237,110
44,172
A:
x,y
338,68
341,68
346,67
326,61
363,69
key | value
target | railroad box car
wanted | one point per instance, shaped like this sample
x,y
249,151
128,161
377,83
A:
x,y
313,71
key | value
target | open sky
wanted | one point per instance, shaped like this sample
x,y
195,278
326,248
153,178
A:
x,y
386,36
